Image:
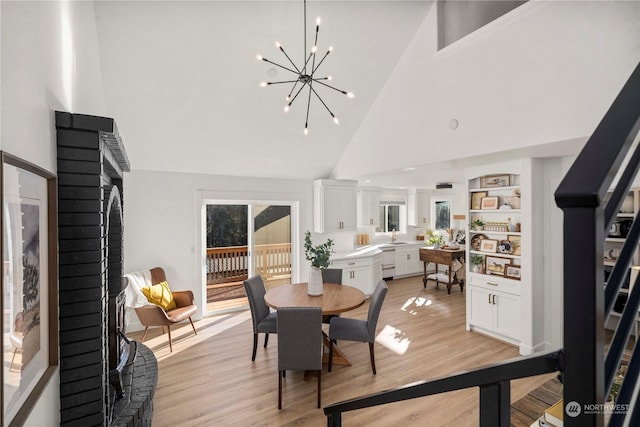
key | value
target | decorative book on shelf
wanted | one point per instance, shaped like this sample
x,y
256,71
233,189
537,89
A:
x,y
554,415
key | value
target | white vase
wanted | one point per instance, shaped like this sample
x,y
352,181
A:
x,y
314,287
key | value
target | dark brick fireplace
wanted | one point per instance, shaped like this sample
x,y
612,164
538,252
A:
x,y
102,382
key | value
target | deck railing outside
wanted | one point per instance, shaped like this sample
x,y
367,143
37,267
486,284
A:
x,y
230,264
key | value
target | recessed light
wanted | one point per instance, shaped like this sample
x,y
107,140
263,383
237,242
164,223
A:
x,y
453,124
409,168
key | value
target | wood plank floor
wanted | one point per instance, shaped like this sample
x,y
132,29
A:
x,y
210,380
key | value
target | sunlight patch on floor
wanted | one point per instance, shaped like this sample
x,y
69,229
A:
x,y
183,337
415,302
393,339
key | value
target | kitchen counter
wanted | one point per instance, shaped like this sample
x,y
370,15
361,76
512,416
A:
x,y
361,252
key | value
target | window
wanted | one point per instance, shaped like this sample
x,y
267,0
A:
x,y
441,213
393,216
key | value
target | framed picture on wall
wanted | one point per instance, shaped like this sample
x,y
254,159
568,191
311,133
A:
x,y
29,284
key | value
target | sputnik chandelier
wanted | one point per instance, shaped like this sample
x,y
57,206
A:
x,y
306,75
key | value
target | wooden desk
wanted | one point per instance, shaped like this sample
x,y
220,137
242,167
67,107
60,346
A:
x,y
334,300
441,256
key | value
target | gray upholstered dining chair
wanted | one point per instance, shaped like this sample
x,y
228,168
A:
x,y
299,343
264,321
331,275
342,328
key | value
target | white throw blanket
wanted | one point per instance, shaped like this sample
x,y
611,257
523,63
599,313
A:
x,y
133,291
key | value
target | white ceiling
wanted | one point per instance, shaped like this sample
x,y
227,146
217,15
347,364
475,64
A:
x,y
181,80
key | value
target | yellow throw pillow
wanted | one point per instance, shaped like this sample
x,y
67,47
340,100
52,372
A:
x,y
161,295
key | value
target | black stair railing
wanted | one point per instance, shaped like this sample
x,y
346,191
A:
x,y
586,374
609,160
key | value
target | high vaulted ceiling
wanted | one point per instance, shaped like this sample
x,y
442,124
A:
x,y
182,80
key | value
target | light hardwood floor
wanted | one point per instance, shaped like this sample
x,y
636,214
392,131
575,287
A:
x,y
210,380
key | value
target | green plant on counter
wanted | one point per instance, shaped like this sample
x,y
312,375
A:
x,y
318,255
477,223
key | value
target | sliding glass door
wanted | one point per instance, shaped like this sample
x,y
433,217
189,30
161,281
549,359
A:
x,y
244,239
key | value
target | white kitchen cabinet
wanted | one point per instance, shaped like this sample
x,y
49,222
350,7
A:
x,y
368,207
362,273
334,205
407,260
423,209
494,313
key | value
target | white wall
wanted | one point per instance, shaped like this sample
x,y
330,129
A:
x,y
162,214
49,62
545,72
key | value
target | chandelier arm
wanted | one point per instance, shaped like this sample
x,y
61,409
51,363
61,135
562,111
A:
x,y
304,69
329,86
280,82
321,61
315,45
297,93
306,123
281,66
294,65
323,103
292,89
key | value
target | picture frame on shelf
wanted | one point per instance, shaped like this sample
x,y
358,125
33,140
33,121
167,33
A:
x,y
490,202
505,247
501,180
495,264
29,282
516,243
476,240
476,199
488,245
512,271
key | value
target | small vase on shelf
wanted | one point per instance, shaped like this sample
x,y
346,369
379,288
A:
x,y
314,287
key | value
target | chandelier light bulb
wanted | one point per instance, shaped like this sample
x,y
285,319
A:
x,y
306,131
263,84
313,49
330,48
318,20
329,78
278,45
350,95
259,57
286,108
335,120
288,98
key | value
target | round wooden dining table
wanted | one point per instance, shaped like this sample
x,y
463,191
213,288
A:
x,y
335,299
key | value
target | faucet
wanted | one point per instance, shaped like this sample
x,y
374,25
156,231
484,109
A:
x,y
393,235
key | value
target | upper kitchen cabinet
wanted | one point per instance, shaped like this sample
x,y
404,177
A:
x,y
368,207
420,209
334,205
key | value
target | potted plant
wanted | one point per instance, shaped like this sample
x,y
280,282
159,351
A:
x,y
436,239
319,256
477,224
476,262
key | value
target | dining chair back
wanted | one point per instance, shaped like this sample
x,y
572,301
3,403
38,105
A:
x,y
299,343
331,275
264,321
342,328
